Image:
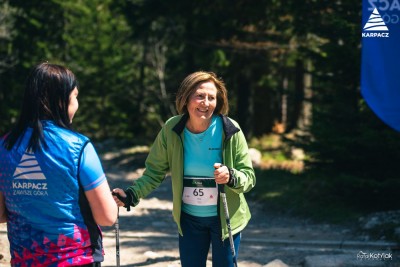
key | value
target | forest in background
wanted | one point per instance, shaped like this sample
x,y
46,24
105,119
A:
x,y
292,69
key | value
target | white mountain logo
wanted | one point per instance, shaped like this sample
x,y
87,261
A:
x,y
29,168
375,22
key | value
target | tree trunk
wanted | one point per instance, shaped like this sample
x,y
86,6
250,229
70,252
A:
x,y
305,118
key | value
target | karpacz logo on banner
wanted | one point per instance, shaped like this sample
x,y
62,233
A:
x,y
381,16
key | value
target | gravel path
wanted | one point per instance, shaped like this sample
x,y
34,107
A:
x,y
148,236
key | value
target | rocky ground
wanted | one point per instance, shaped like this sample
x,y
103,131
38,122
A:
x,y
148,236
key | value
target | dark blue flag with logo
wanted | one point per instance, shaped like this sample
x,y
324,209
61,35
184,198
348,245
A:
x,y
380,69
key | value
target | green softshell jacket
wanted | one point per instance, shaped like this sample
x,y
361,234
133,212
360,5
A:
x,y
166,155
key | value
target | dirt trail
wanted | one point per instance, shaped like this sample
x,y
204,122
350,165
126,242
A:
x,y
148,236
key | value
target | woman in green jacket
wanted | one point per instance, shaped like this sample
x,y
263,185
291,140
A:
x,y
201,148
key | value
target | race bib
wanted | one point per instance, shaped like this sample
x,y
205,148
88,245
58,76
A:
x,y
200,191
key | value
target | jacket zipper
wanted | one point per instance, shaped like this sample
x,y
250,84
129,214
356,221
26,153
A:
x,y
219,195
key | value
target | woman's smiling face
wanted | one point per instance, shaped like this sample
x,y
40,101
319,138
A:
x,y
203,102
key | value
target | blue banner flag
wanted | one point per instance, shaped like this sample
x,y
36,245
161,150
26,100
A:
x,y
380,61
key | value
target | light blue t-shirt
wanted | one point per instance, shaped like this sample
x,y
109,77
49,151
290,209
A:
x,y
91,172
201,151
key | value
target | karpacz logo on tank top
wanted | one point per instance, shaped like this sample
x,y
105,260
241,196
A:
x,y
28,177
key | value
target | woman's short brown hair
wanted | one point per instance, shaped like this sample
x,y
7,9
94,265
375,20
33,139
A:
x,y
190,84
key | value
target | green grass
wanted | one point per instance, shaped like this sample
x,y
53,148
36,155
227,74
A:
x,y
323,196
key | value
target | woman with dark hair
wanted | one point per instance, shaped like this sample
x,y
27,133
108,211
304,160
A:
x,y
53,191
203,149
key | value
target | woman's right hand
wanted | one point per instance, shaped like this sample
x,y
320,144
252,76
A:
x,y
121,193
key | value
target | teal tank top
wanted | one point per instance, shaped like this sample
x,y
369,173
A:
x,y
201,151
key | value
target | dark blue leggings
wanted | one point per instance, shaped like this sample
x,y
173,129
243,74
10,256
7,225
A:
x,y
198,233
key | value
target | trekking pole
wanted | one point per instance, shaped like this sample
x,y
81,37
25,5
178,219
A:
x,y
221,189
228,222
117,236
117,240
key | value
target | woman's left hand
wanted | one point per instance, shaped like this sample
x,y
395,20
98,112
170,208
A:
x,y
221,173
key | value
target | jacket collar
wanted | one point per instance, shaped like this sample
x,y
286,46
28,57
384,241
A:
x,y
229,128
